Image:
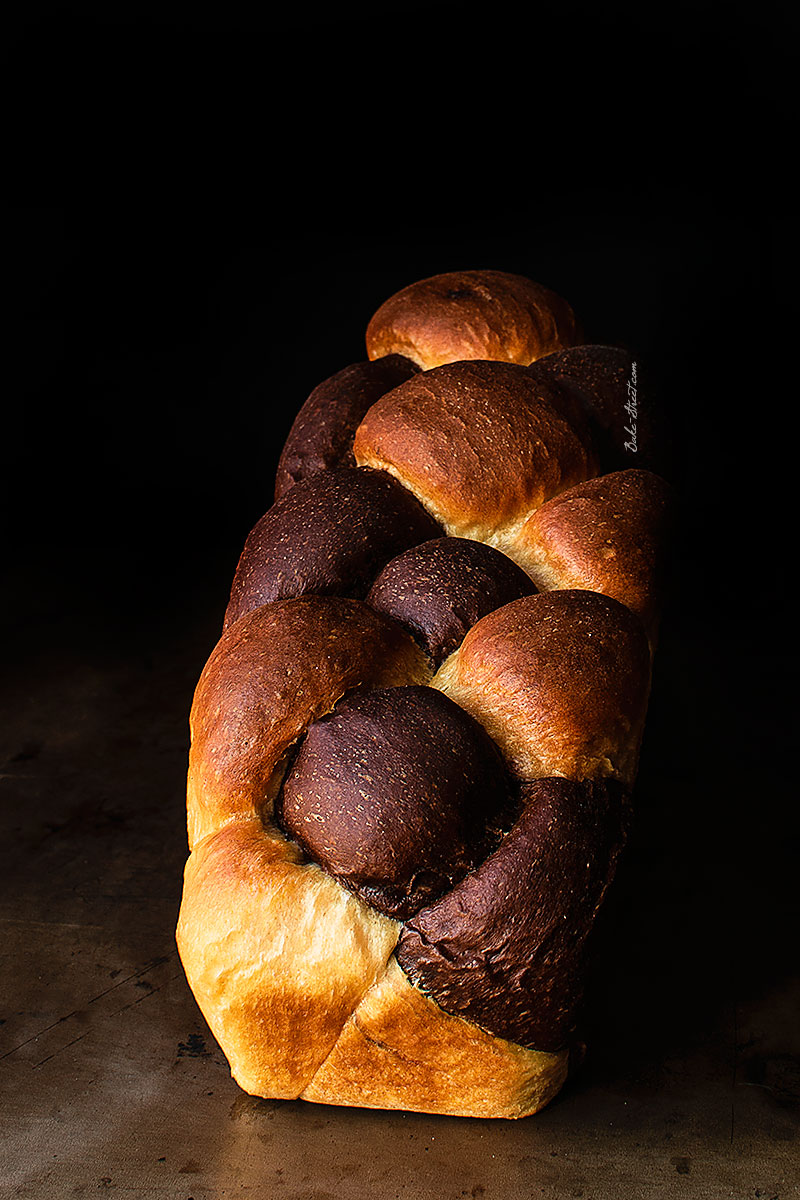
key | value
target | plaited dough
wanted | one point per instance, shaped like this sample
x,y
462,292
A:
x,y
478,418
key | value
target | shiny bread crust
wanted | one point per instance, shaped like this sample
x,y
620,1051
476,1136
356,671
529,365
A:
x,y
561,682
610,534
498,429
481,444
472,314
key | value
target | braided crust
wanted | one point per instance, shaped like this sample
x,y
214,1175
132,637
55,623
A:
x,y
347,586
278,954
273,672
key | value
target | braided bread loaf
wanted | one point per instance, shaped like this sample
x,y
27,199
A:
x,y
414,744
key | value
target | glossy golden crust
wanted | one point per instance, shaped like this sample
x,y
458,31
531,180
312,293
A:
x,y
606,535
277,954
560,680
297,980
400,1050
271,674
472,314
481,444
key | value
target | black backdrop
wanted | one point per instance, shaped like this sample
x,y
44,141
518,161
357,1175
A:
x,y
211,206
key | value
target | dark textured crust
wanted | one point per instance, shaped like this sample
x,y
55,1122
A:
x,y
506,948
604,380
329,535
397,794
560,680
481,443
273,672
472,314
610,535
323,431
440,589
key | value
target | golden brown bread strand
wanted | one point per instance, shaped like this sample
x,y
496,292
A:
x,y
560,680
481,444
394,873
607,535
472,314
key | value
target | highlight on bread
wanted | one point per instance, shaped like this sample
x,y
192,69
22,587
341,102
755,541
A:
x,y
415,743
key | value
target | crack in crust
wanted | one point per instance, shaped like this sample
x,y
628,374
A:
x,y
278,981
399,1049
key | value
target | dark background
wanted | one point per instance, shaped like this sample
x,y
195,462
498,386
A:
x,y
210,207
208,210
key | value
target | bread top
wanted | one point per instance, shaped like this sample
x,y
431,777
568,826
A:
x,y
472,314
601,373
398,793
